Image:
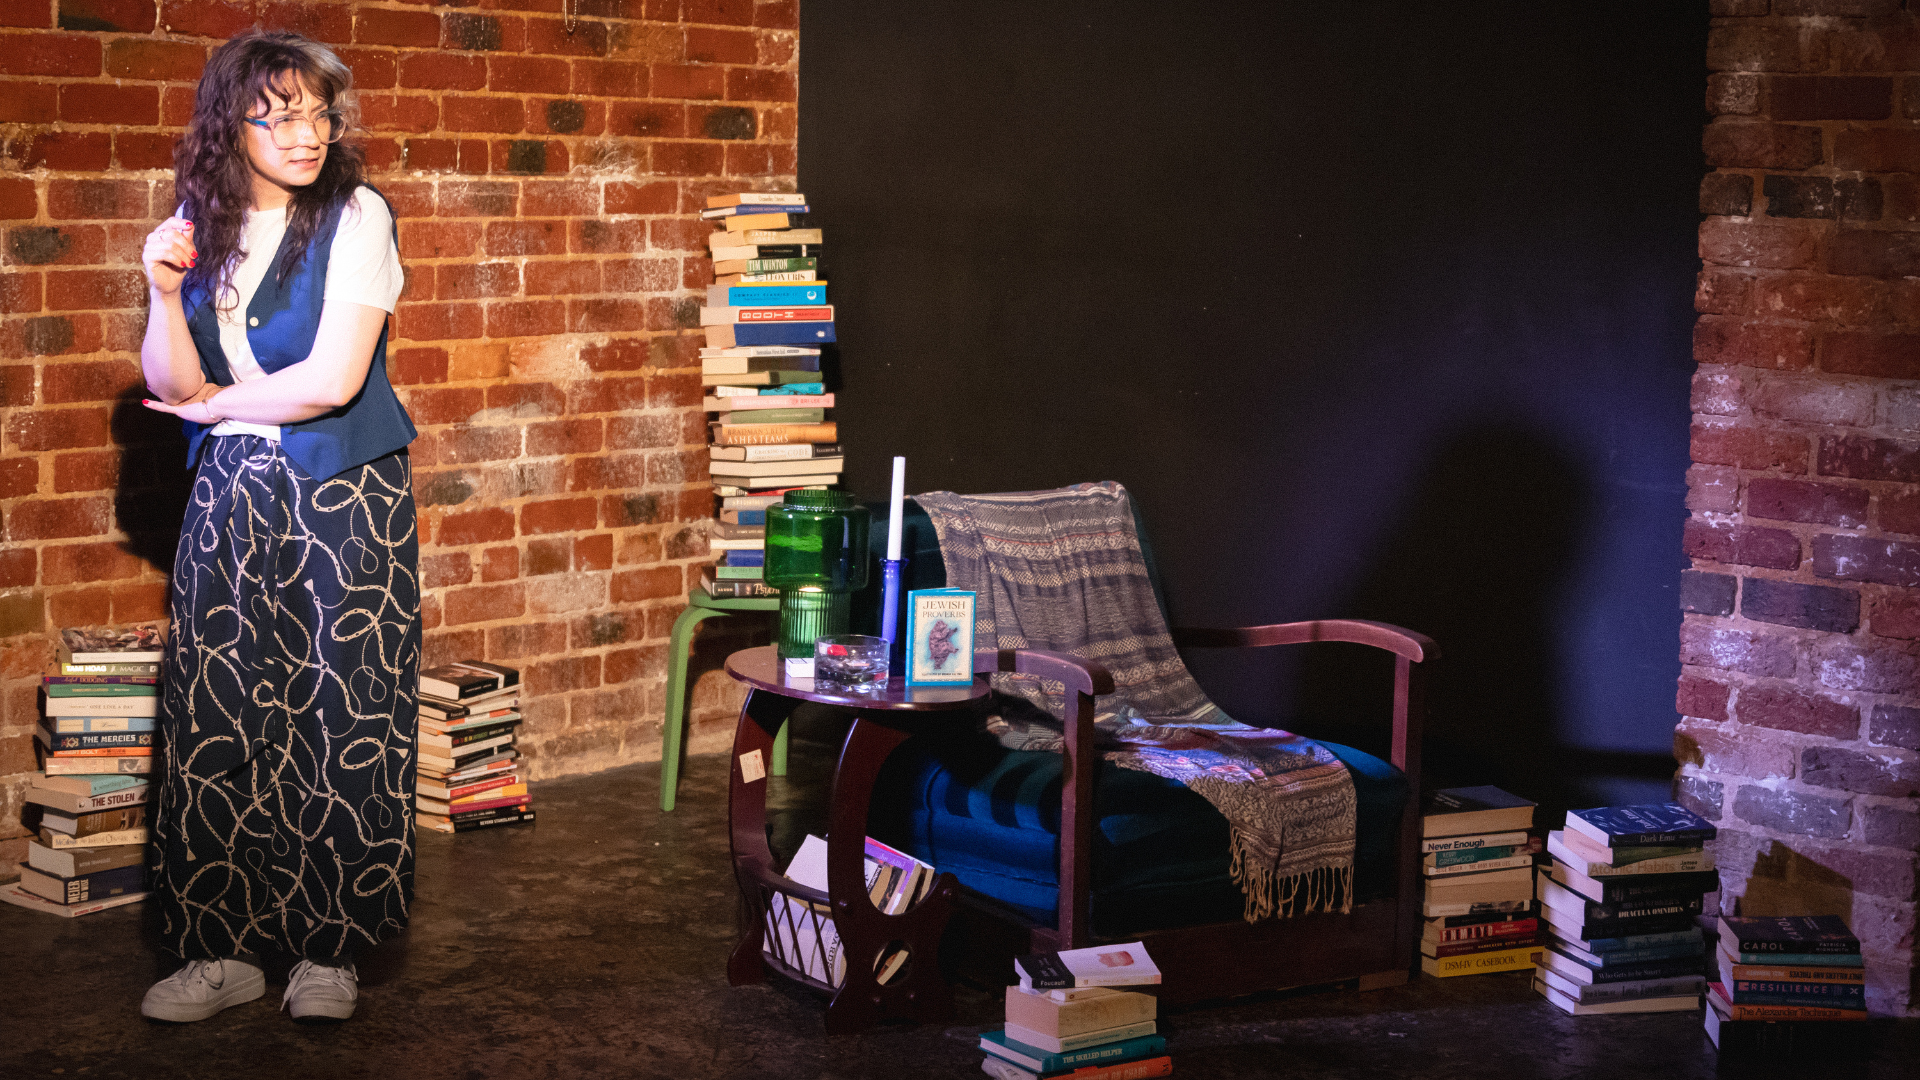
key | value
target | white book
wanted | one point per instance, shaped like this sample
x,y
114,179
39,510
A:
x,y
103,706
1060,1044
1681,1003
777,467
60,841
14,894
1592,993
1593,868
1473,843
88,725
742,485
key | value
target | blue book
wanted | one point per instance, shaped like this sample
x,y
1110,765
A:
x,y
793,388
802,294
1623,957
1046,1061
743,558
774,333
1776,959
751,517
1654,823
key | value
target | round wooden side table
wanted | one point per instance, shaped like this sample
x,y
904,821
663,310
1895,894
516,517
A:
x,y
881,721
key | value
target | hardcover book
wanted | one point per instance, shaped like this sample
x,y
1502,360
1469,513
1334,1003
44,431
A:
x,y
14,894
1461,811
1654,823
940,637
1676,1003
1138,1069
140,643
1738,1011
1435,845
1042,1061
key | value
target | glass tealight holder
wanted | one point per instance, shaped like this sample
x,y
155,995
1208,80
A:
x,y
850,663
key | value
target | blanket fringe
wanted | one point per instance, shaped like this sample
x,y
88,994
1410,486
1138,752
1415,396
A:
x,y
1270,895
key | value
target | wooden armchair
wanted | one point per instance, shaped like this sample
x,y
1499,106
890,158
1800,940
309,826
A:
x,y
1374,944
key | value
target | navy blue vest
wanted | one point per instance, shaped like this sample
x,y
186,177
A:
x,y
282,321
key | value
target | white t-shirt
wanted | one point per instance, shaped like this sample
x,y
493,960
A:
x,y
362,268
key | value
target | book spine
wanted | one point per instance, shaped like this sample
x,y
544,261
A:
x,y
1479,963
1793,1012
1801,948
1642,988
1842,975
105,740
493,822
1832,995
1491,944
1809,959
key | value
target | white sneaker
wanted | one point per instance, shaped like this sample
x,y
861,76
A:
x,y
318,993
203,988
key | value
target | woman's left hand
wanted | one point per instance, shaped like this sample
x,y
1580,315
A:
x,y
197,408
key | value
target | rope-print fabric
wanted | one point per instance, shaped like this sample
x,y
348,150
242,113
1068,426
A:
x,y
284,811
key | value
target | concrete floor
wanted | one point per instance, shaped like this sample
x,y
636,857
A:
x,y
594,945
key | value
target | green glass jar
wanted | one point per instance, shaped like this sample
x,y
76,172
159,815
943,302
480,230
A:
x,y
816,557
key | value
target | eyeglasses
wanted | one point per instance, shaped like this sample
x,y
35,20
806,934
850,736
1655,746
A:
x,y
327,127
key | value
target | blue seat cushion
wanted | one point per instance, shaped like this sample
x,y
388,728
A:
x,y
991,817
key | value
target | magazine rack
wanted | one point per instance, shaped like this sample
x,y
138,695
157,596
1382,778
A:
x,y
780,935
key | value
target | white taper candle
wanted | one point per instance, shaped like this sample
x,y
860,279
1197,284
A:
x,y
894,508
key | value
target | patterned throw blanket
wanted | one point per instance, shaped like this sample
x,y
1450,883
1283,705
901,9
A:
x,y
1062,571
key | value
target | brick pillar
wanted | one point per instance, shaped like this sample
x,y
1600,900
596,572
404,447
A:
x,y
547,163
1800,691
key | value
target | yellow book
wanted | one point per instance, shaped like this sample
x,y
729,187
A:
x,y
1519,959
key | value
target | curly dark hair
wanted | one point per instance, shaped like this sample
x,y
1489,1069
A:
x,y
211,174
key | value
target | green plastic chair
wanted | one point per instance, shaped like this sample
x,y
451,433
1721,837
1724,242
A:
x,y
701,606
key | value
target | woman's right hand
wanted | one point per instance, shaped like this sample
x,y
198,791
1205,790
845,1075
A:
x,y
169,254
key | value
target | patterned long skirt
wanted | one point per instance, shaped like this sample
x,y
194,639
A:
x,y
284,815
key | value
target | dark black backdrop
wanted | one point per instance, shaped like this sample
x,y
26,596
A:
x,y
1379,310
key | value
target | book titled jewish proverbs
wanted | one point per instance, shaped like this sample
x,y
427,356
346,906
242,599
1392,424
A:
x,y
939,637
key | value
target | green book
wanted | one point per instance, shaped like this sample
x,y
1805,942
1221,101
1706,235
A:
x,y
739,573
773,416
102,690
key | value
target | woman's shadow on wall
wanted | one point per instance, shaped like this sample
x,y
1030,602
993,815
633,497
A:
x,y
1480,562
154,483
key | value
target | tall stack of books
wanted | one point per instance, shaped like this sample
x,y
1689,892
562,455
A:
x,y
1066,1018
469,772
1622,901
766,318
1783,980
1478,866
95,739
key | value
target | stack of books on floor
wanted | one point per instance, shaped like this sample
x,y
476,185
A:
x,y
1065,1018
469,772
95,740
1622,901
1784,981
801,935
1478,868
765,319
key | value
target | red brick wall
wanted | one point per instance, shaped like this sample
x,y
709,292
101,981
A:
x,y
1800,694
547,180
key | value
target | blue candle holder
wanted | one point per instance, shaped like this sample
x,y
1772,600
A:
x,y
890,604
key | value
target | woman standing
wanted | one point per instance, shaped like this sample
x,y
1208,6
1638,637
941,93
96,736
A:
x,y
284,816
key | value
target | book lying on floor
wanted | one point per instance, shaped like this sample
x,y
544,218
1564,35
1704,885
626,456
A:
x,y
1517,958
1043,1062
1102,965
1137,1069
1465,811
86,888
1739,1011
14,894
1812,935
1675,1003
1655,823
